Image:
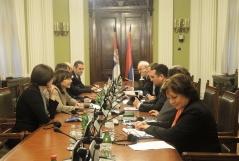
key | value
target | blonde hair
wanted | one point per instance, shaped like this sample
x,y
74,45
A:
x,y
69,65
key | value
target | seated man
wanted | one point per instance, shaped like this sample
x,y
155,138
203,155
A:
x,y
77,87
158,75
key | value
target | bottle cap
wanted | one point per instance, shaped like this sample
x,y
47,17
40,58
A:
x,y
107,131
53,157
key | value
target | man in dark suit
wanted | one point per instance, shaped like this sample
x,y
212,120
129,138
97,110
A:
x,y
77,87
158,76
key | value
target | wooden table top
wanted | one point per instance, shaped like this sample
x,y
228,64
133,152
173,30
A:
x,y
43,143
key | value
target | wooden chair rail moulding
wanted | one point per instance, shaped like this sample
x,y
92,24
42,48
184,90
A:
x,y
193,156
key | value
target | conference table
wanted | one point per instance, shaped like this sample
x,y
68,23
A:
x,y
41,144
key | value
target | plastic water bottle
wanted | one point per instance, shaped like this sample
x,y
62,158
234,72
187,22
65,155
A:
x,y
106,145
73,134
84,121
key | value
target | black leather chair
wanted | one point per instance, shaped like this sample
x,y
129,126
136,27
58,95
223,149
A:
x,y
197,85
210,98
228,118
6,104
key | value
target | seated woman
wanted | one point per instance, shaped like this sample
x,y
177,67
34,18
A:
x,y
62,81
32,110
194,128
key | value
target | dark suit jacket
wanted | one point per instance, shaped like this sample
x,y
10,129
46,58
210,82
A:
x,y
30,110
166,116
194,131
77,87
146,85
155,104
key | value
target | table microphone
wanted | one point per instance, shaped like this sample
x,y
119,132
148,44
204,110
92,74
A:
x,y
104,121
121,113
56,129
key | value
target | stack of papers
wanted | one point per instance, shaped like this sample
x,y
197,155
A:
x,y
139,134
151,145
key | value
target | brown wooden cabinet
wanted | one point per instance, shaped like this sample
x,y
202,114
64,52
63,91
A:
x,y
104,15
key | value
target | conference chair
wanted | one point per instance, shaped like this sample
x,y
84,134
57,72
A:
x,y
228,118
227,127
23,87
197,85
211,97
6,105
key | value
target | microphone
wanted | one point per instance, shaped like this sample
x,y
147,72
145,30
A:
x,y
121,113
122,90
56,129
104,121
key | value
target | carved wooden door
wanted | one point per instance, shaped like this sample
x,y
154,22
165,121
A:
x,y
102,21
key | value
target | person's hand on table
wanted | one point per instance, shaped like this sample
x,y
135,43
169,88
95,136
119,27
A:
x,y
154,113
149,97
136,102
86,100
79,105
141,125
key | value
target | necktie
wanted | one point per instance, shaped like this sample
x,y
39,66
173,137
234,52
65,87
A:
x,y
177,116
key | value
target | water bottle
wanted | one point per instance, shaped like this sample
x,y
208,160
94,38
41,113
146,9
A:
x,y
99,99
53,157
84,121
74,135
106,145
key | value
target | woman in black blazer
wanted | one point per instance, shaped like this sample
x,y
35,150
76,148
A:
x,y
194,128
32,110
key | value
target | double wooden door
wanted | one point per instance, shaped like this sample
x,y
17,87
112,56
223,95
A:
x,y
102,22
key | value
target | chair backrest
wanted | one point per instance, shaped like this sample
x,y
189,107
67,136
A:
x,y
6,105
228,118
228,113
197,85
14,86
211,97
23,87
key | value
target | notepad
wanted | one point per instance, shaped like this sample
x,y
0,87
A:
x,y
139,134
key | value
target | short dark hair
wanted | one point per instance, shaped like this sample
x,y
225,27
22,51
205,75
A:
x,y
181,84
41,75
61,66
160,69
59,76
178,69
78,62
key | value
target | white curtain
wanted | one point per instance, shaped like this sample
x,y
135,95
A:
x,y
40,33
230,50
10,51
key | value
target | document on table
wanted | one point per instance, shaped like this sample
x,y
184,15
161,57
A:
x,y
130,109
139,134
151,145
125,101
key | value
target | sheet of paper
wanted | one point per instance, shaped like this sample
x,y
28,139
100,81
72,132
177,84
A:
x,y
125,101
130,109
151,145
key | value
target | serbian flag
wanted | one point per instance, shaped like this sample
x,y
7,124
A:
x,y
129,70
116,68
